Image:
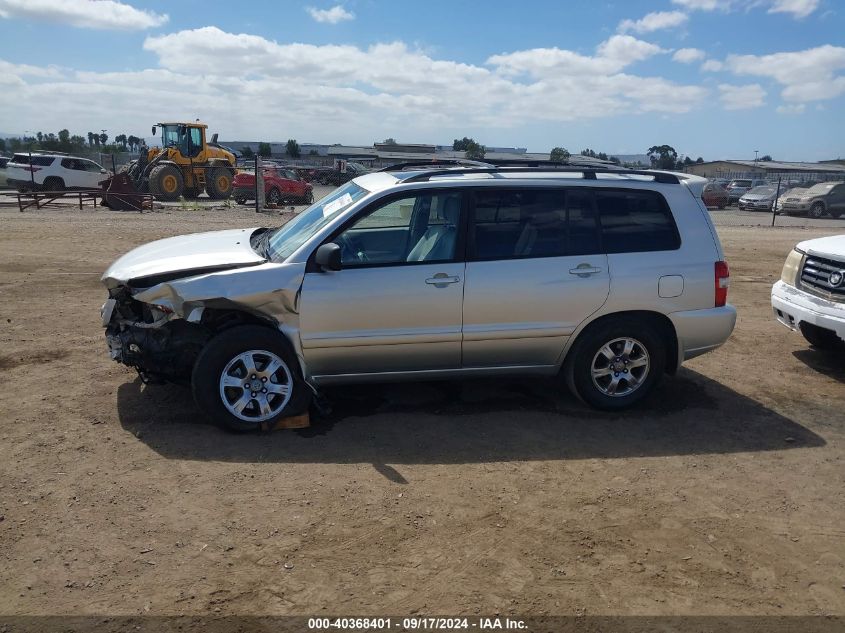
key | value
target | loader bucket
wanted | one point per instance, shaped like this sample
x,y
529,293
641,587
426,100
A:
x,y
121,194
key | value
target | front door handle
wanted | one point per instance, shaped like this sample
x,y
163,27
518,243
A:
x,y
441,280
584,270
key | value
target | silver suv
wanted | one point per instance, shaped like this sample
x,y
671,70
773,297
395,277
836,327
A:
x,y
608,278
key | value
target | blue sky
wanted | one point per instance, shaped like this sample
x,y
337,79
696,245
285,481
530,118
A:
x,y
713,78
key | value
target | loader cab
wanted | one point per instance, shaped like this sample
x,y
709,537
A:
x,y
188,139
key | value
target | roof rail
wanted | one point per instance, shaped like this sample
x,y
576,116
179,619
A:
x,y
588,173
432,164
569,162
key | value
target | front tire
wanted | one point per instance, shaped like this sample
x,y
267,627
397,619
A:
x,y
166,182
817,210
53,183
615,364
821,338
247,378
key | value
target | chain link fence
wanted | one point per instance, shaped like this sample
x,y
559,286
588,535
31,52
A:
x,y
799,199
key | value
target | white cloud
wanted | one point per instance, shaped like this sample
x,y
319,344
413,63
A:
x,y
741,97
712,66
331,16
653,22
796,108
92,14
703,5
688,55
810,75
798,8
346,93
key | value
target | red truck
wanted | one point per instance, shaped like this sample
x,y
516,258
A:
x,y
280,186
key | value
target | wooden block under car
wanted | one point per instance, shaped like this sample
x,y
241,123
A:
x,y
293,422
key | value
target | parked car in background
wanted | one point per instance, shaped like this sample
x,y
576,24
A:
x,y
817,201
3,162
280,185
715,195
53,172
810,295
738,186
760,198
792,194
436,273
335,176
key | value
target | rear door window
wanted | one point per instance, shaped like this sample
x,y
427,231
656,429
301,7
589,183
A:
x,y
527,223
635,222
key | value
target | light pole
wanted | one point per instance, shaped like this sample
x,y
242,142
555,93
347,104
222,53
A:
x,y
756,151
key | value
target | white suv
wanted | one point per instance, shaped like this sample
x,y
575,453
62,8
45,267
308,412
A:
x,y
608,278
810,295
53,172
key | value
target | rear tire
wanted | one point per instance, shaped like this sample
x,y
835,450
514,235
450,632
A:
x,y
166,182
53,183
615,364
218,184
821,338
274,197
228,363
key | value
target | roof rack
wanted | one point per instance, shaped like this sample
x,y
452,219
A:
x,y
569,162
432,164
588,173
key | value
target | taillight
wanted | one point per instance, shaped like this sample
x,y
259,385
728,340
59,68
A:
x,y
723,282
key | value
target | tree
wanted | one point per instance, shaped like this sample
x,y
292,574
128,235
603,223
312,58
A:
x,y
460,145
265,150
699,160
292,148
64,140
2,145
122,140
133,142
662,156
559,155
246,152
389,141
766,157
77,142
588,152
474,151
103,138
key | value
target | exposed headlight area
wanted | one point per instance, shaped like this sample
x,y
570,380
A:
x,y
792,267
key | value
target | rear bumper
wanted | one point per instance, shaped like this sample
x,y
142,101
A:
x,y
243,193
791,306
700,331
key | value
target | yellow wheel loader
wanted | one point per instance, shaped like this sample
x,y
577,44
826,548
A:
x,y
184,166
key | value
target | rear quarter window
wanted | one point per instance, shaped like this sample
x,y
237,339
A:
x,y
636,222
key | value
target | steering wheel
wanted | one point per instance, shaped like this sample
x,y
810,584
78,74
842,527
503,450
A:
x,y
350,249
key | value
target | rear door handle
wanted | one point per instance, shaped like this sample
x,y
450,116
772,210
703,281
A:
x,y
442,279
584,270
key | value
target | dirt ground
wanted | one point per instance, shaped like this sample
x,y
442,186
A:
x,y
722,495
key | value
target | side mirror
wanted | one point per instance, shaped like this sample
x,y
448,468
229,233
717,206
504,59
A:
x,y
155,131
327,257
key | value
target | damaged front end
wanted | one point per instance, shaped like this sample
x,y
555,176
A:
x,y
148,338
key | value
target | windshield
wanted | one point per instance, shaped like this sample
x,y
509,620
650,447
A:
x,y
763,191
170,135
819,189
295,233
740,183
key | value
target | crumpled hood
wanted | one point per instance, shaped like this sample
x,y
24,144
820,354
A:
x,y
833,246
189,254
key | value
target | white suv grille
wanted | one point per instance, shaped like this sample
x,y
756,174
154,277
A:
x,y
816,276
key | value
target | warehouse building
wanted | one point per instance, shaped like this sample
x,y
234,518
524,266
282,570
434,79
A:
x,y
769,169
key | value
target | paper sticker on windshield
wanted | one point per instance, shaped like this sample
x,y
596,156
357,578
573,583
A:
x,y
335,205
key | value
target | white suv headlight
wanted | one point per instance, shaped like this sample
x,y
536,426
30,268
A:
x,y
791,267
